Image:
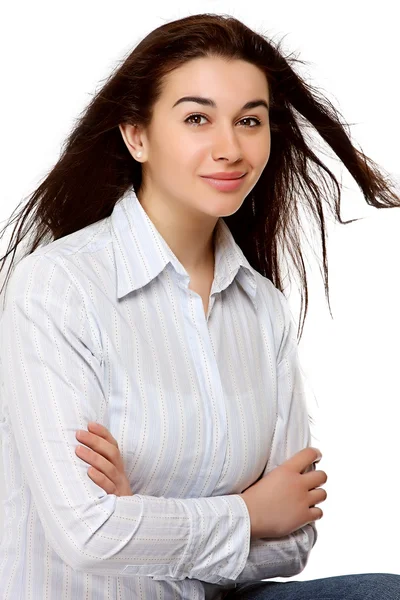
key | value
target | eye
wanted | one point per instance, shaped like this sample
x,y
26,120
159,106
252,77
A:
x,y
196,115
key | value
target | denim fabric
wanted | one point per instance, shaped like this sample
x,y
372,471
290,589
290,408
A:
x,y
361,586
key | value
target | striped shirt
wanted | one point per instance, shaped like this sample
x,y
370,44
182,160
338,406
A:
x,y
101,325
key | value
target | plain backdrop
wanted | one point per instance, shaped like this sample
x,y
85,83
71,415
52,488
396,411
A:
x,y
56,55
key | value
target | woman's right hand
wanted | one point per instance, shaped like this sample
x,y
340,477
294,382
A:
x,y
283,500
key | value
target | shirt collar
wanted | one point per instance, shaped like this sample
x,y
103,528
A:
x,y
141,253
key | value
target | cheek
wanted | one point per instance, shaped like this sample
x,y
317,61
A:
x,y
188,151
258,154
166,155
266,156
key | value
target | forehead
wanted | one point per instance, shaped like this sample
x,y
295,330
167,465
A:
x,y
218,77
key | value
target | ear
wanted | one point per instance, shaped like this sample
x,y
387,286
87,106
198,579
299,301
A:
x,y
134,140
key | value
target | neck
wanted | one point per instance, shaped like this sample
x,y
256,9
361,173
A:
x,y
190,239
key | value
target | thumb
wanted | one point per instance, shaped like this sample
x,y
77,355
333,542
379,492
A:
x,y
303,459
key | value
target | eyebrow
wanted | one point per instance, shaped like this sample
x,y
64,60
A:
x,y
209,102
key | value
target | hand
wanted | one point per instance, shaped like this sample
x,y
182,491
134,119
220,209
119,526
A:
x,y
284,500
107,469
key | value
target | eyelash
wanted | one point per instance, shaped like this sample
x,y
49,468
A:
x,y
244,119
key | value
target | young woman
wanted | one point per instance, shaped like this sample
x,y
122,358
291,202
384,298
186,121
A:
x,y
154,318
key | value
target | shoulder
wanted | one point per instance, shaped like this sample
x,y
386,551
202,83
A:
x,y
54,265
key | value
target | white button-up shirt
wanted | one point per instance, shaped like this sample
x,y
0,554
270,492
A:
x,y
100,325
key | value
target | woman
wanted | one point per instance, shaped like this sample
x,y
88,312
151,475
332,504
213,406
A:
x,y
156,313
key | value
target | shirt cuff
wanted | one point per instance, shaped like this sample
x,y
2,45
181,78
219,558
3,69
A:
x,y
219,540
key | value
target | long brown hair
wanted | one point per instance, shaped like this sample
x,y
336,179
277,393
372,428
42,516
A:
x,y
95,168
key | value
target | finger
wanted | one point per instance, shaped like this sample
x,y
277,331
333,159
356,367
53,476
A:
x,y
102,431
102,481
98,462
99,445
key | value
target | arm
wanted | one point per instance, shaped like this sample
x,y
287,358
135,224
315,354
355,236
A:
x,y
51,370
286,556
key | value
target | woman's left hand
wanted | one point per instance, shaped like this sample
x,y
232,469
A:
x,y
107,469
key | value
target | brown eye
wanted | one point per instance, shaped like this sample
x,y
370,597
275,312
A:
x,y
195,116
258,122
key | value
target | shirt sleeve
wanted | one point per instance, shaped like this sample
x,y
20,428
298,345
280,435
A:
x,y
51,376
286,556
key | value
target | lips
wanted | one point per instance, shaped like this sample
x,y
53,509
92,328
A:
x,y
229,176
224,184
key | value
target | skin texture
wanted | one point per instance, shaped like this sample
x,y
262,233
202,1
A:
x,y
284,500
176,151
102,452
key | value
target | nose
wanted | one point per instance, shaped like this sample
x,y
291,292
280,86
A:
x,y
226,144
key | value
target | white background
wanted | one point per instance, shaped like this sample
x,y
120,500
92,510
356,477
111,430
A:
x,y
56,55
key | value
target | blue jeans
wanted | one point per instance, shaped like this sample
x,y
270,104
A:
x,y
362,586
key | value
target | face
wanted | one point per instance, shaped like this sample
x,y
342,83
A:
x,y
187,141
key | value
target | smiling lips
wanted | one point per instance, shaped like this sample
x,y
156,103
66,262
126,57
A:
x,y
225,182
225,175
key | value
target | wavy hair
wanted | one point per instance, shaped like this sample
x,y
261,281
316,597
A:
x,y
95,167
